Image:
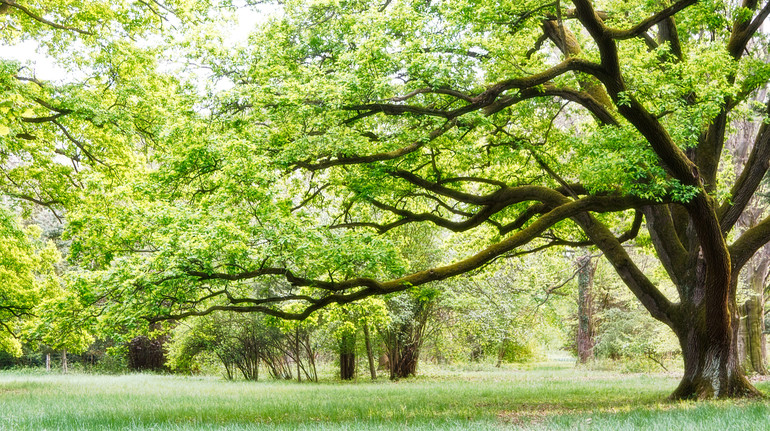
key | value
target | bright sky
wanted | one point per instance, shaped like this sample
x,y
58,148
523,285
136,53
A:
x,y
43,67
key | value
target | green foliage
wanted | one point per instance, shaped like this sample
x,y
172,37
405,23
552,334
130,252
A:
x,y
340,151
239,342
633,334
513,351
27,278
491,314
345,321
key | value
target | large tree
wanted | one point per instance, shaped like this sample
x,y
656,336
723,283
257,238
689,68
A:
x,y
510,126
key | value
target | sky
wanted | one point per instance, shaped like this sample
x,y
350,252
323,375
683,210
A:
x,y
44,67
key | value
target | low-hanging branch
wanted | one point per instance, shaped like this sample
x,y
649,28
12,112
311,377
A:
x,y
563,209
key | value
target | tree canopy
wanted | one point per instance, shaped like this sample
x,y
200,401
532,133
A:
x,y
275,176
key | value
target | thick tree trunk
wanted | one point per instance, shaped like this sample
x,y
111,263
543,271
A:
x,y
711,365
146,354
347,366
402,357
585,330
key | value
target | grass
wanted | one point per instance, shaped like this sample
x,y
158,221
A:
x,y
546,396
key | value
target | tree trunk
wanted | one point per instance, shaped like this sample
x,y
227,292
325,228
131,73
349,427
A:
x,y
48,362
297,354
753,340
347,366
369,354
752,334
146,354
64,364
383,361
348,356
711,365
403,360
585,330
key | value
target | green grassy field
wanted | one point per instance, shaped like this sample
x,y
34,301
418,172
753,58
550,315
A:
x,y
546,396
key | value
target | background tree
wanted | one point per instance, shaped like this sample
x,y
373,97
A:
x,y
61,322
25,272
298,346
585,329
751,338
410,315
241,342
493,313
346,321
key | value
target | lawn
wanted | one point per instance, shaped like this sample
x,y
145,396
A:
x,y
546,396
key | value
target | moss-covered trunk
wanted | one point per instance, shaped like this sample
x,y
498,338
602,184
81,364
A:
x,y
752,350
585,330
751,343
711,365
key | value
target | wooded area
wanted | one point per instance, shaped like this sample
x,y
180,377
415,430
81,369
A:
x,y
399,180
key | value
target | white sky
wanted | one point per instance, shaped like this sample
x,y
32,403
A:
x,y
44,67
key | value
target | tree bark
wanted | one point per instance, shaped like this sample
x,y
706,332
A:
x,y
348,356
369,354
711,370
752,339
712,367
403,360
752,334
585,332
146,354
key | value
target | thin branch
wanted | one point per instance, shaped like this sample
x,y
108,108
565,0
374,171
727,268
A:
x,y
40,19
485,98
390,155
648,23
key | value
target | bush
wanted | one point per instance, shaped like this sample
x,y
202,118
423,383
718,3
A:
x,y
633,334
519,352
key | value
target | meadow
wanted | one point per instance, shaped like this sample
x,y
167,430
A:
x,y
551,396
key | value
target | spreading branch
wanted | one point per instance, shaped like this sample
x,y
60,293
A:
x,y
38,18
357,288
